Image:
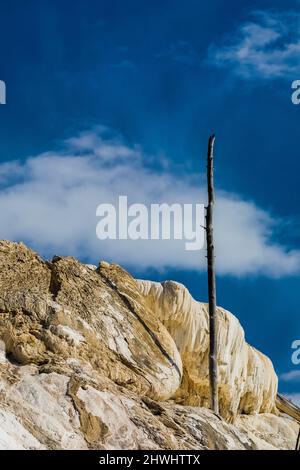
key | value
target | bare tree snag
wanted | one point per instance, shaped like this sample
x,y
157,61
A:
x,y
213,365
298,441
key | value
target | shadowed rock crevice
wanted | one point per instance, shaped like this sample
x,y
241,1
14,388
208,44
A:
x,y
54,286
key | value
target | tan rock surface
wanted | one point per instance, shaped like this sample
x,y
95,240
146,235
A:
x,y
60,309
89,361
248,383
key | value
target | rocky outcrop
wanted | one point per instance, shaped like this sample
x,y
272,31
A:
x,y
247,380
51,311
92,359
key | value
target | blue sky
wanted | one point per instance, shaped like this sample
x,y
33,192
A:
x,y
152,80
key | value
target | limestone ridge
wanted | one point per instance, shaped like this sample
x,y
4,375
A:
x,y
95,359
131,307
248,383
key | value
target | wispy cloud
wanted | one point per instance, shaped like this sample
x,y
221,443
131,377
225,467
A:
x,y
125,64
291,376
51,205
182,52
122,59
266,47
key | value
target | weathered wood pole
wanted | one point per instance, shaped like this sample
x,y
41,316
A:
x,y
298,441
213,365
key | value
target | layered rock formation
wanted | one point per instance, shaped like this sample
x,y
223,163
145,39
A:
x,y
92,358
247,380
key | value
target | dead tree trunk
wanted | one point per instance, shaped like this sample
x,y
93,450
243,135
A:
x,y
298,441
213,366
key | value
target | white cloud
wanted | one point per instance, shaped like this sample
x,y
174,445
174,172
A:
x,y
52,206
267,47
291,376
